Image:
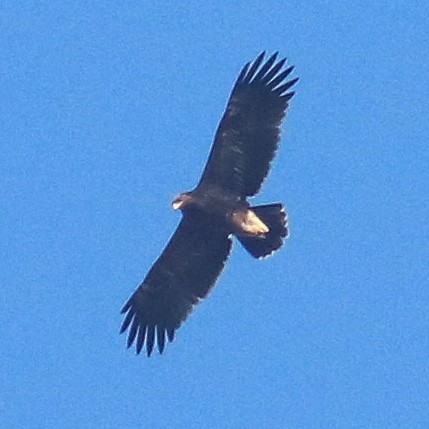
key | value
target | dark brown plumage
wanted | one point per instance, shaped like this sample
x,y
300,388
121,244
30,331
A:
x,y
244,146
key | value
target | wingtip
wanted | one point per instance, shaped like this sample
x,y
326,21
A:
x,y
281,90
259,70
133,332
259,59
288,96
140,339
254,67
161,347
126,322
126,307
150,340
129,343
170,334
275,55
160,338
242,74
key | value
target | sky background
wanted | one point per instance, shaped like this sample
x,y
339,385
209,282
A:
x,y
108,110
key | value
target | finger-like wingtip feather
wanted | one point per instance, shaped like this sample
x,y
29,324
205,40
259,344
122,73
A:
x,y
254,67
266,67
133,332
126,307
279,78
150,339
242,74
160,338
283,88
140,339
288,96
273,71
170,334
126,322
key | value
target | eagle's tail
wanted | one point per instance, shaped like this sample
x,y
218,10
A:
x,y
275,218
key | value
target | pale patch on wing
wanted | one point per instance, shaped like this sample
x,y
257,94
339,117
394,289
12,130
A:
x,y
249,223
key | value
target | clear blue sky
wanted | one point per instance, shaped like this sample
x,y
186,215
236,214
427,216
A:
x,y
107,112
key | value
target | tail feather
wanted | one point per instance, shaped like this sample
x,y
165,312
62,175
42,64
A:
x,y
274,216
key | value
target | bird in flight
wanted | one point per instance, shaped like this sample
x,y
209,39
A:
x,y
217,209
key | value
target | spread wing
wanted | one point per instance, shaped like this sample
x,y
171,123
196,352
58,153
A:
x,y
249,131
183,274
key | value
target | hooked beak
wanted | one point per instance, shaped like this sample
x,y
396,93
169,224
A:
x,y
177,203
181,201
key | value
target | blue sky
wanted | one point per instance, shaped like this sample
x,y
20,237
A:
x,y
108,111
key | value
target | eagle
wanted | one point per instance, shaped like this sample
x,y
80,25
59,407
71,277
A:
x,y
217,209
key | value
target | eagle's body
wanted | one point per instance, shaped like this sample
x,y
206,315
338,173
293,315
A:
x,y
224,208
217,208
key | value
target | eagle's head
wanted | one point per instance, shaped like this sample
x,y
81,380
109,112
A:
x,y
181,201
